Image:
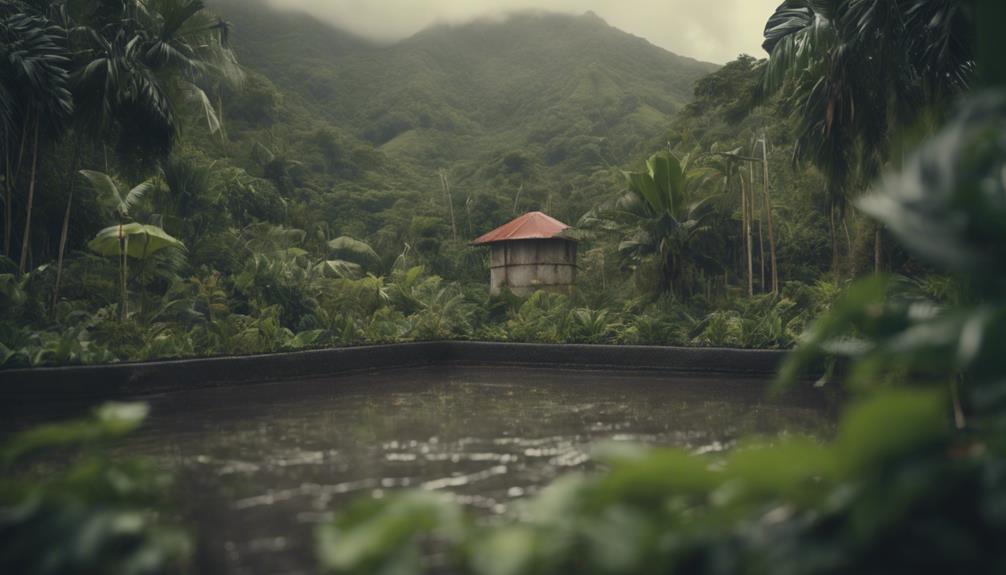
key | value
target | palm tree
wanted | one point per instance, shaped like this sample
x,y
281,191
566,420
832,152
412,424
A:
x,y
34,101
727,167
135,62
858,71
139,63
659,219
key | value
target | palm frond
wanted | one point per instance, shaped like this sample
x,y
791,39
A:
x,y
33,69
135,195
103,185
198,96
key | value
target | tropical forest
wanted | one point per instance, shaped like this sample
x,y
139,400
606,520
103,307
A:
x,y
516,291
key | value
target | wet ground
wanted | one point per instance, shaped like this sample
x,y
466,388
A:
x,y
260,466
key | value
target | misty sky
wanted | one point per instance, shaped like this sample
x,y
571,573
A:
x,y
711,30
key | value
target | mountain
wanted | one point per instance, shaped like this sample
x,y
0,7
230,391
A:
x,y
526,110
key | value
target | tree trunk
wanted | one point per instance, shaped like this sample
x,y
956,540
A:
x,y
123,273
66,221
468,214
960,420
8,203
23,265
744,220
12,178
747,233
878,249
767,204
849,256
761,235
220,113
142,273
450,204
833,229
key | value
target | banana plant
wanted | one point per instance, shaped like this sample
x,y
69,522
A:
x,y
126,239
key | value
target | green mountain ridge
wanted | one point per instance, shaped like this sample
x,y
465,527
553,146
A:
x,y
495,72
536,102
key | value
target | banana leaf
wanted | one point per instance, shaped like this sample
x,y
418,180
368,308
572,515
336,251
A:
x,y
142,240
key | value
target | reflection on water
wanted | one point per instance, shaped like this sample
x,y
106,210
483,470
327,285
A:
x,y
257,467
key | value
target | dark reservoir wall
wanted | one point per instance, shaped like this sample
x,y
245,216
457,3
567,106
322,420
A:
x,y
137,379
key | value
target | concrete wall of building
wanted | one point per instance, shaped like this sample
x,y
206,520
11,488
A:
x,y
525,266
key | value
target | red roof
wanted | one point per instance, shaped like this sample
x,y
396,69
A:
x,y
530,226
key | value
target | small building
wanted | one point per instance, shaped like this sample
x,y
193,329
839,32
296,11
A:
x,y
531,253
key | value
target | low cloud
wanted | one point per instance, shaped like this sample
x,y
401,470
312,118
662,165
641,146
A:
x,y
712,30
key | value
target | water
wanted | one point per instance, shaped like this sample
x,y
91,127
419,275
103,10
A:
x,y
258,467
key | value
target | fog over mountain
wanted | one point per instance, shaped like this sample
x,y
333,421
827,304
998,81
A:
x,y
711,30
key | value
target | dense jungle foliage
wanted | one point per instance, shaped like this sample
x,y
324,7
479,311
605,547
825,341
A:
x,y
179,182
914,480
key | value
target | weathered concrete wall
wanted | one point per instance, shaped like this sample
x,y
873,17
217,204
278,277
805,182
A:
x,y
120,381
525,266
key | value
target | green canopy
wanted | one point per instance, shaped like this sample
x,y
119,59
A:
x,y
142,240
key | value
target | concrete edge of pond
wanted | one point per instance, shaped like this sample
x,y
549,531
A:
x,y
136,379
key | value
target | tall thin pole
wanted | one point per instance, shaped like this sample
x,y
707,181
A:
x,y
746,207
23,266
8,202
768,211
877,252
744,215
516,198
761,235
124,273
450,204
65,231
12,178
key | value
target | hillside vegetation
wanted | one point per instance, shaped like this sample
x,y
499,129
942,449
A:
x,y
160,200
537,105
287,185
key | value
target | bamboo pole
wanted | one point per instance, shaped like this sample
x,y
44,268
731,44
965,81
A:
x,y
761,235
744,220
8,203
123,273
23,265
746,201
877,251
450,204
768,211
516,198
468,213
12,178
850,257
833,229
65,231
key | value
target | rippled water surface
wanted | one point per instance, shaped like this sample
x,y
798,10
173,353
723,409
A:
x,y
259,466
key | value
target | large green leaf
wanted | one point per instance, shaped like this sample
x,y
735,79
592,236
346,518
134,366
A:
x,y
666,172
142,240
643,185
355,251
